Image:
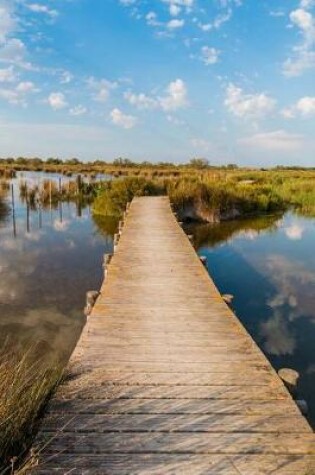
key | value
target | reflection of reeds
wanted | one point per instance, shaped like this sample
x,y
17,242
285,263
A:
x,y
51,193
25,386
7,173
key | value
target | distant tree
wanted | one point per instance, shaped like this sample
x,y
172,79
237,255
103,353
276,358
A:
x,y
199,163
21,161
123,162
73,161
232,166
54,161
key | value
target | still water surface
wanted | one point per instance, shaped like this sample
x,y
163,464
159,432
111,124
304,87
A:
x,y
267,264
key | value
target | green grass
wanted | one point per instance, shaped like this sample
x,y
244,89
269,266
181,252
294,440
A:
x,y
25,386
114,195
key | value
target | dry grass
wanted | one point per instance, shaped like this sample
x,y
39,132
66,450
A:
x,y
25,386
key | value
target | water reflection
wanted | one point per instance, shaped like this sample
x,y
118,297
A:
x,y
269,266
46,267
214,234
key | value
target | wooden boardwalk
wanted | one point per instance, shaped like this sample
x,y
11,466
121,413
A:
x,y
165,378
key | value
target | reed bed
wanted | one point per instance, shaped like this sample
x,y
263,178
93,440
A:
x,y
26,384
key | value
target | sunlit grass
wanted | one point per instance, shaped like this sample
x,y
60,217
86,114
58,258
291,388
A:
x,y
25,386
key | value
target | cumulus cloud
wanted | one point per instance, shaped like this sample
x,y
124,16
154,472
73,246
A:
x,y
7,75
122,120
101,88
18,94
175,23
245,105
57,101
305,107
209,55
141,101
303,54
175,97
279,140
40,8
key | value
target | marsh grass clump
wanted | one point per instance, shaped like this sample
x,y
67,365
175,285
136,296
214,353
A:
x,y
25,386
113,196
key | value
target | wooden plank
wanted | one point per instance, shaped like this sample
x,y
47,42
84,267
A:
x,y
155,464
88,390
188,423
180,443
268,408
165,379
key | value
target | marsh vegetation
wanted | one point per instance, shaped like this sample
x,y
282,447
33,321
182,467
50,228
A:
x,y
26,383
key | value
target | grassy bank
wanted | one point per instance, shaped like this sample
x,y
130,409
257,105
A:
x,y
213,196
25,386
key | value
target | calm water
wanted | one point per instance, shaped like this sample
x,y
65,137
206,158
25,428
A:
x,y
267,264
46,270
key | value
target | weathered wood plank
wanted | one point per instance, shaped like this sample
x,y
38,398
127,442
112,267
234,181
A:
x,y
180,443
223,423
155,464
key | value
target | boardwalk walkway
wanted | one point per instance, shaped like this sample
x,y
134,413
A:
x,y
166,380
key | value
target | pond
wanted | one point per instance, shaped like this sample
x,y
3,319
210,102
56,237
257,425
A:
x,y
50,260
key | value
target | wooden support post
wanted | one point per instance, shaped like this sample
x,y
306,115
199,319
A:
x,y
116,241
91,298
13,210
203,260
106,262
290,379
303,406
228,298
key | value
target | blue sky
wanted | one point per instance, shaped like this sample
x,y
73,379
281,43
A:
x,y
229,80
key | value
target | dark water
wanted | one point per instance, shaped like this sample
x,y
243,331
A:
x,y
268,264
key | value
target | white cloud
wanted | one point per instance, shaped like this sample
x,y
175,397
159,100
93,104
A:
x,y
278,141
7,75
209,55
17,95
78,110
304,107
175,9
57,101
303,54
101,88
175,23
122,120
7,20
13,51
248,105
217,22
39,8
66,77
141,101
176,97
